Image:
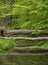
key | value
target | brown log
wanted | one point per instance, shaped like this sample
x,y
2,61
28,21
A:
x,y
14,32
24,31
25,38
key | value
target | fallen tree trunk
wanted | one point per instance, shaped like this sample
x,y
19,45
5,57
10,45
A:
x,y
24,31
14,32
25,38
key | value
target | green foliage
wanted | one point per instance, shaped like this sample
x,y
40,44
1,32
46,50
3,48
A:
x,y
26,14
30,14
6,45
